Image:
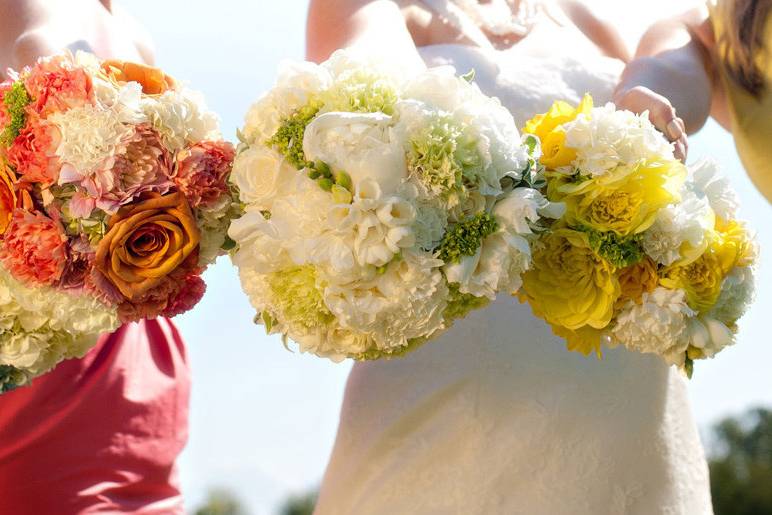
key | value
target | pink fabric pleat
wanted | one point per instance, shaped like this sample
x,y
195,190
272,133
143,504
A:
x,y
100,434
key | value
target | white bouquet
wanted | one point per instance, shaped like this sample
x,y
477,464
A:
x,y
378,207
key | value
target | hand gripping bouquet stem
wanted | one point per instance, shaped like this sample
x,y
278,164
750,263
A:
x,y
379,208
649,254
114,197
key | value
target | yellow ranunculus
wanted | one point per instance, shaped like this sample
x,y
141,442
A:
x,y
624,201
735,239
568,285
702,278
548,127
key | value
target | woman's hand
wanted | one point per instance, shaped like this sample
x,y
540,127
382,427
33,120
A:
x,y
661,113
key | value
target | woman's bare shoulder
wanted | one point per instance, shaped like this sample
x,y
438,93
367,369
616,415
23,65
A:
x,y
597,29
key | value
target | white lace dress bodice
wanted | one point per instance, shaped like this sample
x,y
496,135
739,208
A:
x,y
496,416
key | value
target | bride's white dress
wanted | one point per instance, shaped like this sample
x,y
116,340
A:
x,y
496,416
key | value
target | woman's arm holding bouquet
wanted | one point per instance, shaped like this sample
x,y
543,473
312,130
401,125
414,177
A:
x,y
376,27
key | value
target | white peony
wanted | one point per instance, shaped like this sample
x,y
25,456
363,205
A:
x,y
607,138
679,230
181,117
261,175
90,137
658,325
706,180
362,145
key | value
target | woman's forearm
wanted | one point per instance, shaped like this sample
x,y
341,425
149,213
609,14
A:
x,y
376,27
671,61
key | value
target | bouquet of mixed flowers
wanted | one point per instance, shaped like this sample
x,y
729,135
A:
x,y
378,207
114,197
649,253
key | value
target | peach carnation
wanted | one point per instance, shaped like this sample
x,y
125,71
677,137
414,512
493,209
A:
x,y
201,172
56,86
33,152
34,248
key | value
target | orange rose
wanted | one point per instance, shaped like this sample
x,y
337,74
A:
x,y
636,280
7,195
147,241
153,80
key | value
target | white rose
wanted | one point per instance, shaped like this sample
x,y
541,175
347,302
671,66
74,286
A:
x,y
361,145
261,175
709,335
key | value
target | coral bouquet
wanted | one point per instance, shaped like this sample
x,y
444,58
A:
x,y
114,197
379,207
649,254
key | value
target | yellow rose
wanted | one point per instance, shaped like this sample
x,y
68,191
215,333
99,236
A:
x,y
568,285
146,241
548,127
624,201
637,279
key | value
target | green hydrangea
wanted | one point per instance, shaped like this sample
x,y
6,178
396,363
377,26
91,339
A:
x,y
376,354
361,92
617,250
16,100
297,298
463,239
461,304
288,140
11,378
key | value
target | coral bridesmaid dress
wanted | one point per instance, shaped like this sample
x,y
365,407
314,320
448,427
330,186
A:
x,y
101,434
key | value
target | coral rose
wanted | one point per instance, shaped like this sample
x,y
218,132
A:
x,y
147,241
568,284
153,80
7,195
34,248
202,172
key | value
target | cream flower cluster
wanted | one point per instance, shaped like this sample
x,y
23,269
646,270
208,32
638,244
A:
x,y
39,327
379,207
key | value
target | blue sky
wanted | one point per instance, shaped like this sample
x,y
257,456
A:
x,y
263,419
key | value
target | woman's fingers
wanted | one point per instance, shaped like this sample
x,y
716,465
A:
x,y
661,113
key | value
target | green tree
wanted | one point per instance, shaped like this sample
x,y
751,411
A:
x,y
741,465
220,501
300,504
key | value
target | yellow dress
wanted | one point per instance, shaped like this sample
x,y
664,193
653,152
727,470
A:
x,y
751,116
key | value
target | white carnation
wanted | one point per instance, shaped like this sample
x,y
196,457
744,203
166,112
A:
x,y
658,325
737,294
90,137
706,180
607,138
685,223
181,117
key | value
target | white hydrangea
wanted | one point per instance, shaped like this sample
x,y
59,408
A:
x,y
607,138
687,222
181,117
89,136
706,180
658,325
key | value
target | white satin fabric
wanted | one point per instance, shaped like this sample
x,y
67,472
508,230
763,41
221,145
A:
x,y
496,416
